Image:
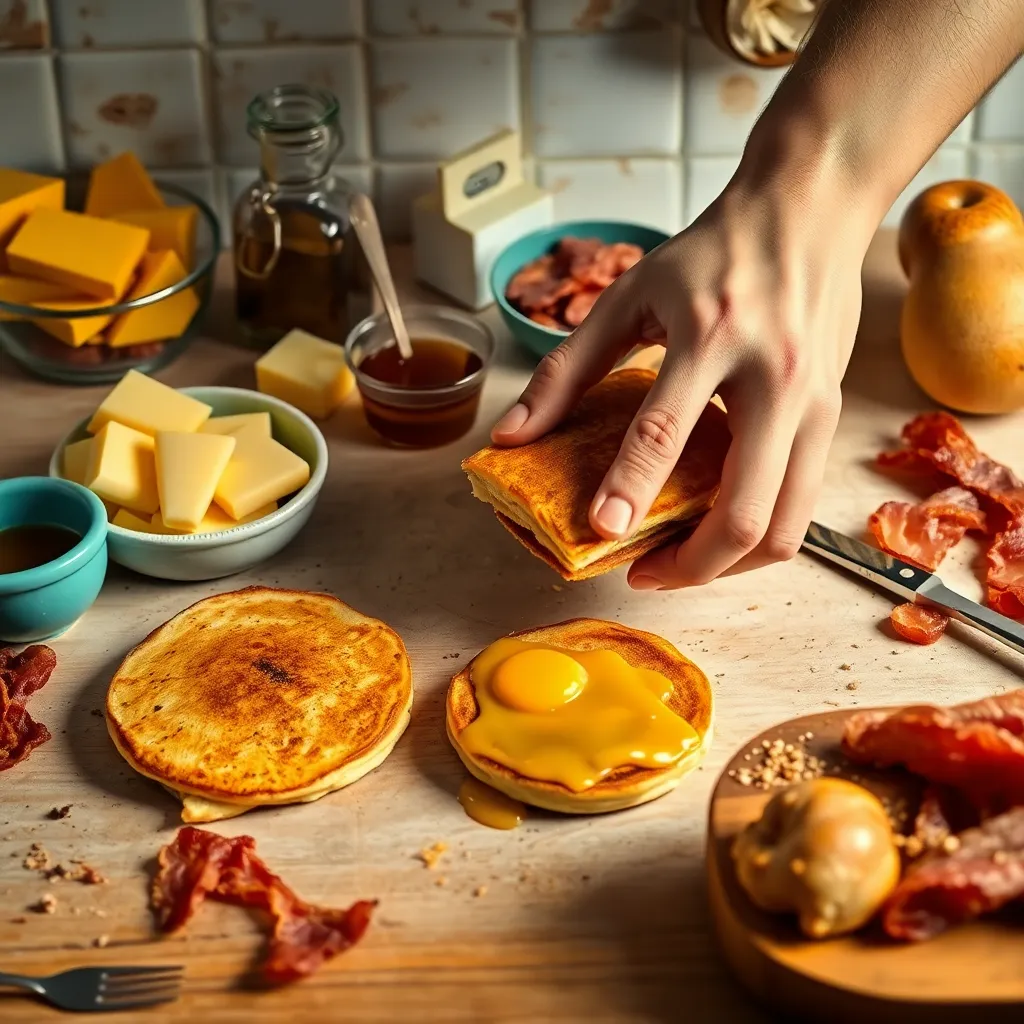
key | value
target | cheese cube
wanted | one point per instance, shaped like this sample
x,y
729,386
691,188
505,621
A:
x,y
306,371
122,468
121,184
215,520
188,469
93,256
173,227
130,521
20,194
145,404
258,422
75,464
73,331
30,291
260,471
167,318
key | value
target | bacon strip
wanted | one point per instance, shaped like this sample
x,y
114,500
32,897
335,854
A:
x,y
1006,570
942,889
197,864
20,676
918,624
976,747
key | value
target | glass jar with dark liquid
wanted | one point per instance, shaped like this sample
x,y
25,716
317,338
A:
x,y
297,261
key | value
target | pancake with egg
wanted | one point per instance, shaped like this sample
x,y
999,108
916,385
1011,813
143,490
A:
x,y
260,697
541,492
687,695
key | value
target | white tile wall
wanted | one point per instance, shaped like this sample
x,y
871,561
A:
x,y
626,108
949,162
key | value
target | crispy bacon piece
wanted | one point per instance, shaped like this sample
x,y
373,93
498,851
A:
x,y
922,534
918,624
197,864
1006,570
977,747
20,676
580,306
938,441
985,872
545,319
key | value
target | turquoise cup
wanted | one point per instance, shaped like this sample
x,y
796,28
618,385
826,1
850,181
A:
x,y
41,603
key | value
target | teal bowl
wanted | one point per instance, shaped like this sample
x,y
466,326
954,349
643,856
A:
x,y
41,603
538,339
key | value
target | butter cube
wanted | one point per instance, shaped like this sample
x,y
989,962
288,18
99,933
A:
x,y
306,371
260,471
76,460
215,520
188,469
130,521
119,185
30,291
93,256
122,468
173,227
20,194
74,332
255,421
144,404
167,318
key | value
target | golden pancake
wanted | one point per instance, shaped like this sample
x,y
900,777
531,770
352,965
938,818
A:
x,y
626,785
260,697
542,491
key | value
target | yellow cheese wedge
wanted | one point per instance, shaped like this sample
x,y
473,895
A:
x,y
306,371
30,291
173,227
167,318
20,194
256,421
122,468
215,520
260,471
121,184
74,332
75,463
145,404
130,521
93,256
188,469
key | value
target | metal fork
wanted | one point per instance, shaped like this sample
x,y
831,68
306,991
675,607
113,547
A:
x,y
103,988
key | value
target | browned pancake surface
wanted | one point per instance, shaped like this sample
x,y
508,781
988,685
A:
x,y
556,477
258,692
691,693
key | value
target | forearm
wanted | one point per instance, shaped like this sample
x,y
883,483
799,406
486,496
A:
x,y
878,86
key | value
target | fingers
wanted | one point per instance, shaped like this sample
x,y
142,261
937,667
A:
x,y
752,476
566,372
651,447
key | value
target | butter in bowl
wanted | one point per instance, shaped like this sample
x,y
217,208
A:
x,y
198,483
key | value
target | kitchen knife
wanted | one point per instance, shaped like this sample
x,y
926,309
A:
x,y
910,583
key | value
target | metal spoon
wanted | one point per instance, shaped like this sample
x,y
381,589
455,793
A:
x,y
367,228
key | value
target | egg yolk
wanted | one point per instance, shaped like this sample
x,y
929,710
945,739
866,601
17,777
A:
x,y
571,717
538,680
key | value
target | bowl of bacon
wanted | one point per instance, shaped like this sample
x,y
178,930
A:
x,y
546,282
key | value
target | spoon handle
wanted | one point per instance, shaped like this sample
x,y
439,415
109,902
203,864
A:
x,y
367,228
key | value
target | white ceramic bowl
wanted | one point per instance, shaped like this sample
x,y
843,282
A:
x,y
208,556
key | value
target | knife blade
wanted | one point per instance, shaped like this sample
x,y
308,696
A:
x,y
910,583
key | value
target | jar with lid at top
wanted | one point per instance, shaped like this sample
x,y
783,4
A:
x,y
297,261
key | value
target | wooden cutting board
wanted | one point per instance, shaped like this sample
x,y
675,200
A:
x,y
975,971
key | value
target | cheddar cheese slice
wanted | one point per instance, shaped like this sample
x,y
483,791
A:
x,y
215,520
173,227
130,521
260,471
158,321
20,194
121,184
75,464
255,421
188,469
30,291
122,468
307,372
145,404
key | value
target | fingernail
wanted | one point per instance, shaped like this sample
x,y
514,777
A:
x,y
645,583
512,420
613,515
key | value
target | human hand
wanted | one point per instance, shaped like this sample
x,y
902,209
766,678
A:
x,y
758,301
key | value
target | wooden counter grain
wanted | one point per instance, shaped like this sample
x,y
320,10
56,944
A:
x,y
600,919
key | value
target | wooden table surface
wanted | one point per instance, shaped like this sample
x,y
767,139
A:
x,y
600,919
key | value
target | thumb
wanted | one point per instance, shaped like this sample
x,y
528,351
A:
x,y
566,372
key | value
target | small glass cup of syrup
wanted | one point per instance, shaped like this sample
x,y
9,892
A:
x,y
433,398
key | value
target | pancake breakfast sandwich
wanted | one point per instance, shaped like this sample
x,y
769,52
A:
x,y
260,697
581,717
541,492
